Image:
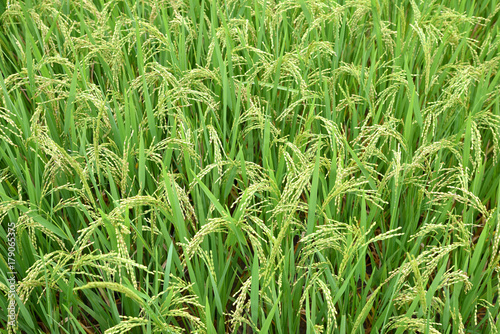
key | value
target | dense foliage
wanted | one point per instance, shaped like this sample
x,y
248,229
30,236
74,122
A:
x,y
255,166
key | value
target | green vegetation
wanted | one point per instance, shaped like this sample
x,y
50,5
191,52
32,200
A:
x,y
258,166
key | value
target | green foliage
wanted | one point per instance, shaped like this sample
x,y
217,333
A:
x,y
251,166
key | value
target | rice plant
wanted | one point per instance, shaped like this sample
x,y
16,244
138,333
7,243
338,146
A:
x,y
259,166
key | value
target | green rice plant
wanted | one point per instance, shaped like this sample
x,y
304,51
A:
x,y
250,166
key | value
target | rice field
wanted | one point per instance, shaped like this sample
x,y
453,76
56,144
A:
x,y
237,166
